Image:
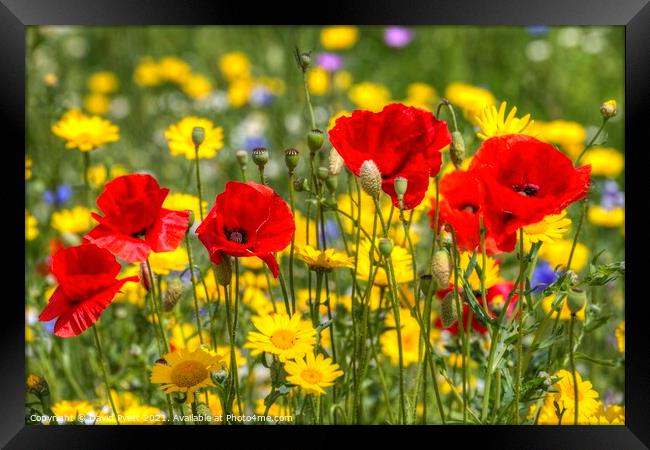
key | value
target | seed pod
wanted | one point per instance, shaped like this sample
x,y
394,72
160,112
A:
x,y
448,312
441,268
576,300
335,162
260,156
315,139
401,184
198,135
223,271
242,157
457,149
385,246
291,159
370,178
323,173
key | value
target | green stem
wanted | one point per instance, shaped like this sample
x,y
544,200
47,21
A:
x,y
573,371
193,279
157,315
520,325
100,357
86,164
593,139
293,245
198,180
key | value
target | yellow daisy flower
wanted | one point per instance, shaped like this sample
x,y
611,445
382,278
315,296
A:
x,y
234,65
104,82
565,313
186,202
71,409
31,227
75,220
570,136
402,263
557,253
184,336
96,175
620,337
257,301
605,161
495,123
471,99
410,333
186,371
197,86
147,73
565,398
276,410
179,138
164,262
318,81
323,260
174,69
133,293
279,334
604,217
492,275
550,228
608,415
83,132
420,95
239,91
339,37
342,80
97,104
313,373
369,96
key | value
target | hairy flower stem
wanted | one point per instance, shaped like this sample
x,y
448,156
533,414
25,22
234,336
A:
x,y
576,397
395,303
233,359
446,103
156,307
198,180
262,178
86,164
592,141
520,327
581,220
193,279
293,246
100,358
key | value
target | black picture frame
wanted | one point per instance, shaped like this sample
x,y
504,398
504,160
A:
x,y
634,15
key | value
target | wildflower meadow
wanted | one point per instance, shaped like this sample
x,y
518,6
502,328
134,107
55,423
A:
x,y
324,225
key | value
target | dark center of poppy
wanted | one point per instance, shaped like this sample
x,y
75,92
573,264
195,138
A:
x,y
469,207
139,234
238,236
526,189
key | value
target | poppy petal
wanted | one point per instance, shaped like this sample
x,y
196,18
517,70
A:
x,y
168,231
128,248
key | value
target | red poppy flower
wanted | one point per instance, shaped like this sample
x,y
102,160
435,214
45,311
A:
x,y
496,298
248,219
402,142
134,222
87,285
524,179
460,206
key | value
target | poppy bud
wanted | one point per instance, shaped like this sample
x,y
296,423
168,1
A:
x,y
370,178
457,149
446,238
323,173
300,184
37,385
315,139
303,59
608,109
401,184
223,271
291,159
172,295
385,246
242,157
198,135
441,268
332,183
425,284
576,300
260,156
335,162
448,312
144,276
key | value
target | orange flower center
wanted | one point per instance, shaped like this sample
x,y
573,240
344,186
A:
x,y
283,339
311,376
188,373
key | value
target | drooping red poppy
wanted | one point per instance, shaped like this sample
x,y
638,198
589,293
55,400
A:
x,y
402,142
247,219
87,284
524,179
460,206
496,298
134,222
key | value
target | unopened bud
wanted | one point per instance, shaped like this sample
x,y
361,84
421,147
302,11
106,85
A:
x,y
425,284
385,246
198,135
457,149
608,109
441,268
576,300
446,238
332,183
315,139
260,156
144,276
219,377
370,178
448,313
37,385
223,271
300,184
335,162
323,173
242,157
291,159
172,295
401,184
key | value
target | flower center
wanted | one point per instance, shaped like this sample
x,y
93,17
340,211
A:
x,y
188,373
283,339
311,376
238,236
526,189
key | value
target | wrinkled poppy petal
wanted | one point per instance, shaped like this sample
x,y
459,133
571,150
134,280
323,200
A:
x,y
168,231
128,248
